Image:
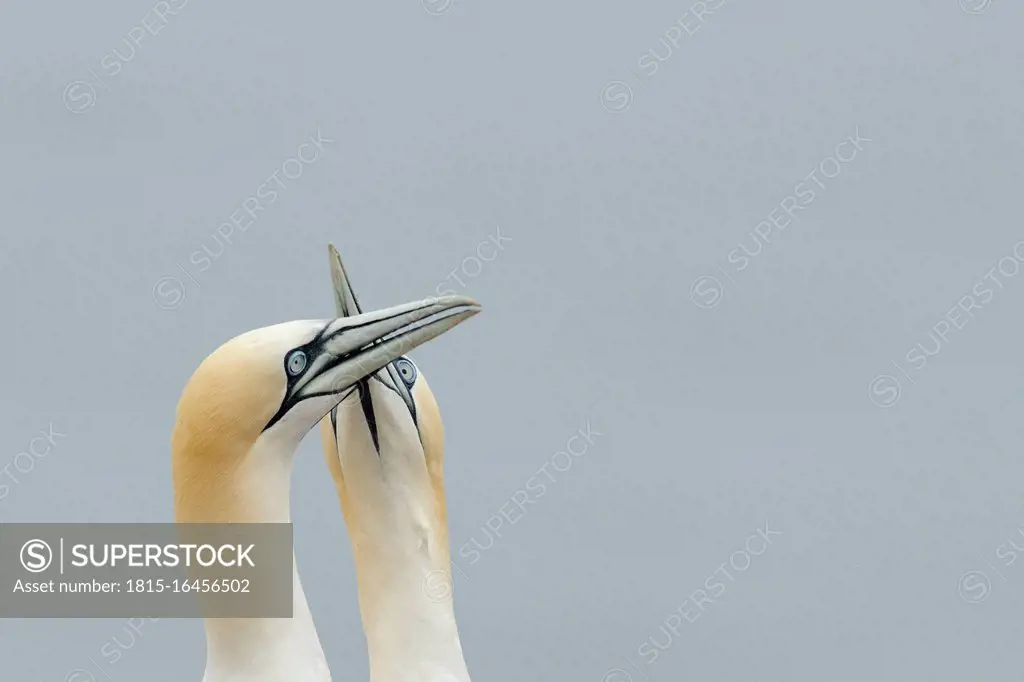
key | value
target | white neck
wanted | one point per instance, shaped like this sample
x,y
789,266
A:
x,y
405,599
401,557
267,649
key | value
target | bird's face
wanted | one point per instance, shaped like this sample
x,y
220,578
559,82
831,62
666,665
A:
x,y
390,412
384,447
385,400
390,478
274,384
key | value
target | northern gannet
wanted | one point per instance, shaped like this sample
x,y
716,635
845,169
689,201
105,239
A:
x,y
384,446
239,421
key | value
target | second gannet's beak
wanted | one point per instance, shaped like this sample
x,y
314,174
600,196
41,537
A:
x,y
346,303
349,349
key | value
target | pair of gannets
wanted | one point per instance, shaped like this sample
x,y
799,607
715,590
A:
x,y
241,418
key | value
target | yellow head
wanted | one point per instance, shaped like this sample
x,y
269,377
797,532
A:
x,y
245,409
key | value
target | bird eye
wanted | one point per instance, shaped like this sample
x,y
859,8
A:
x,y
407,370
296,362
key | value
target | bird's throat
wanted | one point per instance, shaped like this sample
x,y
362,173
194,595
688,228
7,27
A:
x,y
254,488
405,600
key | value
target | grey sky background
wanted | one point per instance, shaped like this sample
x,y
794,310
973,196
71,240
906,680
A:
x,y
779,394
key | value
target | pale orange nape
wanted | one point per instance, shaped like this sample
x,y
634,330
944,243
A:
x,y
222,411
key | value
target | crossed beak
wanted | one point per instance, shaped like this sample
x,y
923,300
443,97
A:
x,y
350,349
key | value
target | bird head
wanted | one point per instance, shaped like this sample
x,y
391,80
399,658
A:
x,y
384,446
255,397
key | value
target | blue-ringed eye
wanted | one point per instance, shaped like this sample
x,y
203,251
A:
x,y
296,363
407,370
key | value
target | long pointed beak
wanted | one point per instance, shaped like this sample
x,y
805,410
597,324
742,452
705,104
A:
x,y
365,347
346,303
345,300
349,349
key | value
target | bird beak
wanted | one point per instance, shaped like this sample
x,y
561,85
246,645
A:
x,y
344,298
349,349
364,343
346,304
